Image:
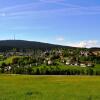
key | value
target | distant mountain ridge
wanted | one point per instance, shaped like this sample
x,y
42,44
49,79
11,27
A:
x,y
23,44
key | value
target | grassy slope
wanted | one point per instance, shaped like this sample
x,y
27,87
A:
x,y
21,87
9,60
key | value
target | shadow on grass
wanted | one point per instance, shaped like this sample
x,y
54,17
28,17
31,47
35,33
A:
x,y
33,93
90,98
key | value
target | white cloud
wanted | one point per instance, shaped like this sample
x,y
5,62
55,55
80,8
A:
x,y
60,39
88,43
40,7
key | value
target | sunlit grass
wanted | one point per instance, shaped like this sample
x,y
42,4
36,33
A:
x,y
22,87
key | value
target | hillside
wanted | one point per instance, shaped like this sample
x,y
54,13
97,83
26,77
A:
x,y
22,44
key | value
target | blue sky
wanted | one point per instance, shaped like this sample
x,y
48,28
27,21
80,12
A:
x,y
65,22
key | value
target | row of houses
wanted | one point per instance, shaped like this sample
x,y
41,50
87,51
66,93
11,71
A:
x,y
67,63
70,62
81,64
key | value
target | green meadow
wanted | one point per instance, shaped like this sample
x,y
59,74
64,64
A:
x,y
26,87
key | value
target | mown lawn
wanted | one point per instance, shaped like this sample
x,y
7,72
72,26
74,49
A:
x,y
25,87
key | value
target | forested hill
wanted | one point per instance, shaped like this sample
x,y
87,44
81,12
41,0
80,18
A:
x,y
22,44
95,49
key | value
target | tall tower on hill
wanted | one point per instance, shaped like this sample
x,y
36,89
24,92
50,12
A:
x,y
14,37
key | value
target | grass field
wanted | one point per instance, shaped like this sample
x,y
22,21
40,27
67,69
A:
x,y
21,87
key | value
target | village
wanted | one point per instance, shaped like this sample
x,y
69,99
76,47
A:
x,y
60,57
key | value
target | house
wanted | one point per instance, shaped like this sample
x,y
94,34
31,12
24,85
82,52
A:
x,y
76,63
7,68
96,53
50,62
90,64
87,64
83,65
84,53
68,62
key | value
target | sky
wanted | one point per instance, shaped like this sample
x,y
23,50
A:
x,y
65,22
